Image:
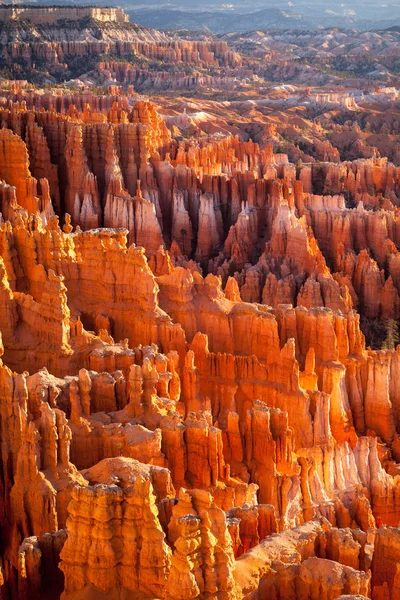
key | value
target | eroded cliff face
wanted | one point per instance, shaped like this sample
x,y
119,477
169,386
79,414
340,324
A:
x,y
189,409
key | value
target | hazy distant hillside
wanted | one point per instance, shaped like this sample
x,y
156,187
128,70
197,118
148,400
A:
x,y
225,21
221,22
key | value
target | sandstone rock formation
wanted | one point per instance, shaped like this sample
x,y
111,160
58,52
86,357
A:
x,y
189,408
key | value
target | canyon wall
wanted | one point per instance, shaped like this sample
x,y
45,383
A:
x,y
51,14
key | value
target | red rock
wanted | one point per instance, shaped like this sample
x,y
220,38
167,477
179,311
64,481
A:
x,y
214,429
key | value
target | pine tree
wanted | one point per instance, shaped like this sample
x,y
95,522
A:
x,y
392,335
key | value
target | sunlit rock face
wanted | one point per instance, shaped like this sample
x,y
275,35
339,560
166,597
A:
x,y
189,408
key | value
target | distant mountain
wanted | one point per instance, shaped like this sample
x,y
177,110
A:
x,y
219,22
270,18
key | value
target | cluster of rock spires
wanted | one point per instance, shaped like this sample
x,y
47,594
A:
x,y
40,43
189,409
